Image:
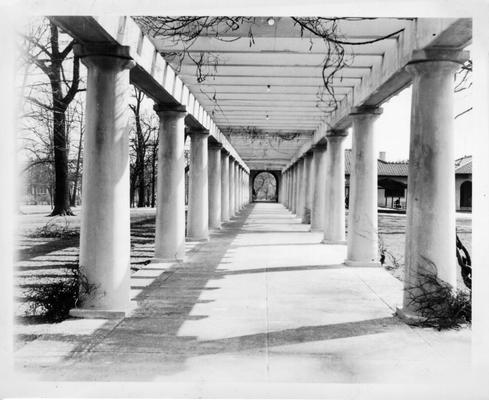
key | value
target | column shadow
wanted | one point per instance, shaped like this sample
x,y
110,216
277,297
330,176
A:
x,y
152,337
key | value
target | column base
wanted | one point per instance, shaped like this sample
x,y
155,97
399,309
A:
x,y
334,242
166,260
409,317
194,239
351,263
316,230
88,313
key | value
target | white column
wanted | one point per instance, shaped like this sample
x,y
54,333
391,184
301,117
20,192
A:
x,y
105,219
224,185
306,192
215,185
298,198
309,186
430,234
289,189
301,201
286,189
239,187
170,200
317,212
198,200
292,182
362,218
295,189
236,188
281,184
232,204
283,188
245,188
334,206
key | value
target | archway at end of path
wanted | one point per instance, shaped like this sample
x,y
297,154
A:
x,y
264,187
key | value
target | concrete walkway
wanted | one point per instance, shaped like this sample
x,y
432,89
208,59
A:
x,y
262,301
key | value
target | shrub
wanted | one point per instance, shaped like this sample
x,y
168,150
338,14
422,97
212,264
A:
x,y
54,230
54,300
438,303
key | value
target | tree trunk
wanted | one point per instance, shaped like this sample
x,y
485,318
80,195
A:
x,y
60,104
141,186
140,163
61,189
77,171
153,177
132,189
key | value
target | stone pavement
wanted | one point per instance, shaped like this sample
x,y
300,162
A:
x,y
263,301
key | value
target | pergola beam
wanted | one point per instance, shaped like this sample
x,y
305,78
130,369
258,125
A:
x,y
152,73
390,78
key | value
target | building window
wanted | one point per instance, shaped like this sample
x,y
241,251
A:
x,y
394,192
466,194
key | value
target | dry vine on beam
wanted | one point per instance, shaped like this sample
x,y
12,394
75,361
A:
x,y
182,32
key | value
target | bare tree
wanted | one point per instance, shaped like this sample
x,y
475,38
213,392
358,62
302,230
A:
x,y
154,154
141,138
76,175
43,49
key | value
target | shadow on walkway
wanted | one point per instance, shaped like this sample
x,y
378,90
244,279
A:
x,y
152,337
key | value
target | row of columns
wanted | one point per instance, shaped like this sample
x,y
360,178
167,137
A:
x,y
217,186
105,227
430,234
308,196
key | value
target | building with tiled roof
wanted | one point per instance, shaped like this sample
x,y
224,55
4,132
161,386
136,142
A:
x,y
384,168
463,165
463,183
393,177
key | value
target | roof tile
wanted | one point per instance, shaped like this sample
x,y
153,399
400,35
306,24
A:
x,y
400,168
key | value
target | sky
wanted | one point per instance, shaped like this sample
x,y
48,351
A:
x,y
392,127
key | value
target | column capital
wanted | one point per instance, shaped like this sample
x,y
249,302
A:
x,y
436,60
365,112
198,133
169,108
225,152
320,146
336,136
214,145
105,56
440,54
336,133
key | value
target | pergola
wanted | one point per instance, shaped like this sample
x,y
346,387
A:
x,y
263,106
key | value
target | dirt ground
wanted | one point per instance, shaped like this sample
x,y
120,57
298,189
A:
x,y
392,231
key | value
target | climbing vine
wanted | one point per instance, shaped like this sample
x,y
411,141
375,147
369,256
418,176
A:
x,y
183,31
